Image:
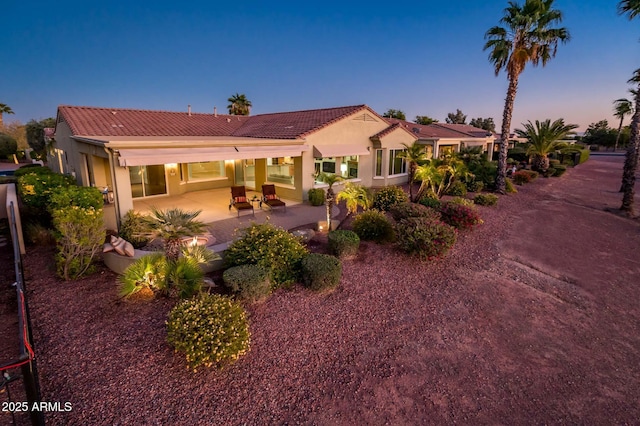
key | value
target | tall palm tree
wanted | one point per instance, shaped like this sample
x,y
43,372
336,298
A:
x,y
172,225
239,105
630,7
4,109
544,138
414,155
527,36
330,179
621,108
633,151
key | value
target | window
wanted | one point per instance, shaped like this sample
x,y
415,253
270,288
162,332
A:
x,y
324,165
397,164
429,151
205,170
379,159
447,150
280,170
349,167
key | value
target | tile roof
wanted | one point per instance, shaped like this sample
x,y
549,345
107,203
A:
x,y
386,131
90,121
440,130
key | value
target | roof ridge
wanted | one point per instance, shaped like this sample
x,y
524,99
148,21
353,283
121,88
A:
x,y
144,110
311,110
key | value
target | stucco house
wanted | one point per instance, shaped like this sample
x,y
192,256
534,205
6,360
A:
x,y
143,154
442,138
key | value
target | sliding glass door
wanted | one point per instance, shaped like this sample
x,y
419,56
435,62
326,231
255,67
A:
x,y
147,181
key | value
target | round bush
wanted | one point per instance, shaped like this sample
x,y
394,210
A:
x,y
475,186
32,168
459,216
559,170
404,210
373,225
509,187
549,172
532,174
80,196
248,282
432,202
36,188
461,200
271,247
457,189
425,238
316,196
8,146
321,271
209,330
343,243
521,177
387,196
485,199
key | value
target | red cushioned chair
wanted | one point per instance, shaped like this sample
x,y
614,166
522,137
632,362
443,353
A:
x,y
239,200
270,198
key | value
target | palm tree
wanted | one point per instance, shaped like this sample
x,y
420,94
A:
x,y
544,138
414,155
4,109
329,179
621,108
355,196
239,105
528,35
630,7
171,226
633,151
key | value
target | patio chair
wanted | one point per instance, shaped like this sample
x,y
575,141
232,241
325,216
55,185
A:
x,y
270,198
239,200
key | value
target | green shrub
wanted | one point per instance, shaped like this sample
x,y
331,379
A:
x,y
186,276
32,169
321,271
559,170
133,229
404,210
459,216
554,162
520,178
80,196
373,225
509,187
209,330
248,282
271,247
8,146
343,243
147,272
316,196
484,172
387,196
532,174
80,235
584,156
36,189
457,189
485,199
425,238
431,202
549,172
475,186
37,234
462,201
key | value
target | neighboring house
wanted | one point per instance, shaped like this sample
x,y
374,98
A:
x,y
140,153
440,138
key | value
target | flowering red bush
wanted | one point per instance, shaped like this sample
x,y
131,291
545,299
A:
x,y
521,177
459,216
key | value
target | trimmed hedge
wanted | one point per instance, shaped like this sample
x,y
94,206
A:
x,y
373,225
559,170
321,271
247,282
343,243
486,199
404,210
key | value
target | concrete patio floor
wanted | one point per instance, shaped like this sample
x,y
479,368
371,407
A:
x,y
223,223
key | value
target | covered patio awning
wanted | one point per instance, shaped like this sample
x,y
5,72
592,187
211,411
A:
x,y
156,156
320,151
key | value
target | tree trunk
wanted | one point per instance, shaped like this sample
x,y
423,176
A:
x,y
631,163
329,204
615,147
172,249
540,163
412,174
506,127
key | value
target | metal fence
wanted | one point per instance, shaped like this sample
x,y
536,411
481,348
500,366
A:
x,y
25,362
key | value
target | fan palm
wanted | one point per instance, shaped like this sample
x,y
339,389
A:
x,y
329,179
239,105
4,109
527,36
171,226
414,155
435,176
544,138
621,108
355,196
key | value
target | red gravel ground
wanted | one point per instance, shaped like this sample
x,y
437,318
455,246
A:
x,y
533,318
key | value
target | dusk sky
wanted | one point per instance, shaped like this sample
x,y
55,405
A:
x,y
424,58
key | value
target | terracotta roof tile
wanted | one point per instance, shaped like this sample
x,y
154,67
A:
x,y
90,121
386,131
440,130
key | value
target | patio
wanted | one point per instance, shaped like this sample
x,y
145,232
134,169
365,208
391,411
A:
x,y
223,223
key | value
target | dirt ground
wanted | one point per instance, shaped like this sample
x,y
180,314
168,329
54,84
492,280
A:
x,y
533,318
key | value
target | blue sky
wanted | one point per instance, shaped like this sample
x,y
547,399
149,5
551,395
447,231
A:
x,y
424,58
